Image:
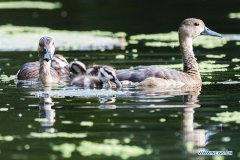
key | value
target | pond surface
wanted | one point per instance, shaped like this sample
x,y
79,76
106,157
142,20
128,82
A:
x,y
129,124
69,123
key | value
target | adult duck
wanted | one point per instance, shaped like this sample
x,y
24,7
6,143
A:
x,y
154,75
49,69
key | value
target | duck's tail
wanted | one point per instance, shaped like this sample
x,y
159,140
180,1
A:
x,y
77,67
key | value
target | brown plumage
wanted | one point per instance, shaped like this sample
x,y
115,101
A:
x,y
103,78
87,82
94,69
49,69
188,30
77,67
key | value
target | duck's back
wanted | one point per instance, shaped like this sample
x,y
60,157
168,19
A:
x,y
140,73
29,71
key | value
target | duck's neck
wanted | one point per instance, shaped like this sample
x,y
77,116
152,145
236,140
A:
x,y
190,65
44,72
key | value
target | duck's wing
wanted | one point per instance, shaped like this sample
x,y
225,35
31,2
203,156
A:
x,y
29,72
140,73
58,61
62,73
61,66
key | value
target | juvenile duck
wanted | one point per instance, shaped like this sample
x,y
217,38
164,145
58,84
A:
x,y
153,75
49,69
103,79
77,67
94,69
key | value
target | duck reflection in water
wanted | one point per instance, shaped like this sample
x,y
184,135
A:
x,y
190,135
193,138
107,102
46,112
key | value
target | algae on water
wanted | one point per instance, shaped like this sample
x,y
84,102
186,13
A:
x,y
57,135
6,138
109,148
171,40
87,148
5,78
66,149
227,117
25,38
30,5
233,15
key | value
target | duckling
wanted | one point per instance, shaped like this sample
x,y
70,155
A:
x,y
188,30
102,80
77,67
49,69
94,69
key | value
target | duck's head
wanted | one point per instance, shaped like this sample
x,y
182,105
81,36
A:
x,y
107,74
193,27
46,48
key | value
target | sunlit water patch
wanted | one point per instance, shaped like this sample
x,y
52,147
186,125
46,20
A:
x,y
80,93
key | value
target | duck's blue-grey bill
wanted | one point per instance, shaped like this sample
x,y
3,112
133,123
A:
x,y
209,32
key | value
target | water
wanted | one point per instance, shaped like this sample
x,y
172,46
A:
x,y
170,124
131,123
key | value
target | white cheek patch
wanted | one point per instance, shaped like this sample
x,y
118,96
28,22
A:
x,y
103,75
110,77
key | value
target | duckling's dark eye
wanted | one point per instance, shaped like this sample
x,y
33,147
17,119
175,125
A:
x,y
102,75
196,24
53,43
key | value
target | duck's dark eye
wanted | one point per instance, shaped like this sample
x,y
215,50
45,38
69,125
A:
x,y
196,24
